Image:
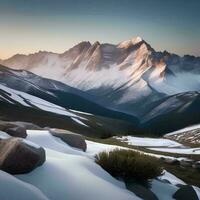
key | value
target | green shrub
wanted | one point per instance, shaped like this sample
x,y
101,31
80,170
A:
x,y
128,164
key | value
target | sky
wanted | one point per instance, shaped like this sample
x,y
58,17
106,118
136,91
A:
x,y
27,26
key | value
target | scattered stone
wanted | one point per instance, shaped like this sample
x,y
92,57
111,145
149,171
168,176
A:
x,y
186,163
72,139
162,158
171,161
18,156
187,137
196,165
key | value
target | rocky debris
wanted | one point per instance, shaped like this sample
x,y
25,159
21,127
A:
x,y
191,136
186,163
196,165
17,129
171,161
72,139
19,156
185,192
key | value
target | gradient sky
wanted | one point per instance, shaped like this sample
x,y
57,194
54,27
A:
x,y
27,26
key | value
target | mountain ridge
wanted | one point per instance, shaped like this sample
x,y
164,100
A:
x,y
120,76
89,43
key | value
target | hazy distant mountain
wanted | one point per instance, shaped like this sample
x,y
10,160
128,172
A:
x,y
130,77
57,93
30,98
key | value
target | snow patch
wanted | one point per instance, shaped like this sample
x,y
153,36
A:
x,y
140,141
79,121
171,178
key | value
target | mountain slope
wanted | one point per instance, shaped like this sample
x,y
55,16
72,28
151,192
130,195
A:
x,y
172,113
120,76
114,81
57,93
19,106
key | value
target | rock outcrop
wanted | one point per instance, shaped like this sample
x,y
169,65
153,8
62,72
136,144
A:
x,y
72,139
17,129
185,192
19,156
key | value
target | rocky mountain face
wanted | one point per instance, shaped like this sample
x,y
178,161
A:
x,y
130,77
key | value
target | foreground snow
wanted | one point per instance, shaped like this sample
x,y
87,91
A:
x,y
154,142
69,173
94,148
12,188
46,140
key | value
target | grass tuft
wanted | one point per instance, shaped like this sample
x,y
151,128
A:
x,y
127,164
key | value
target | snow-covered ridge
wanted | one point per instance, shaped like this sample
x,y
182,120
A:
x,y
119,66
28,100
17,97
113,73
189,128
186,135
131,42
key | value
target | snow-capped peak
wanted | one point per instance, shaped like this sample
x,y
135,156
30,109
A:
x,y
136,40
131,42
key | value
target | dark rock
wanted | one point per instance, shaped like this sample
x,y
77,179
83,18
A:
x,y
141,191
171,161
186,192
72,139
17,129
17,156
162,158
196,165
16,132
186,163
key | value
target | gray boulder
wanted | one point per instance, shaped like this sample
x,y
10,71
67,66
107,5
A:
x,y
17,129
72,139
171,161
17,156
16,132
27,125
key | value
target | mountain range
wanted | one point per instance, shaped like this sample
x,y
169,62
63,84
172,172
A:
x,y
129,81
